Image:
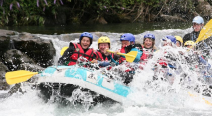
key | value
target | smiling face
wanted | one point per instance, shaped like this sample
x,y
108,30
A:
x,y
103,46
85,42
148,43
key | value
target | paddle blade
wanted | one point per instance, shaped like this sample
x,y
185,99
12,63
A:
x,y
63,50
18,76
131,56
206,101
205,32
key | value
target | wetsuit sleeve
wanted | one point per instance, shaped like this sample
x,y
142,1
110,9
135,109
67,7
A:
x,y
130,47
109,57
116,57
65,59
186,38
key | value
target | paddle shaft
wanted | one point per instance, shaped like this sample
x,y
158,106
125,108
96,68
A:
x,y
128,55
31,74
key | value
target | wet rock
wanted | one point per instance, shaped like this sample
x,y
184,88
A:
x,y
25,35
40,50
3,83
16,60
69,37
4,44
76,36
6,33
16,88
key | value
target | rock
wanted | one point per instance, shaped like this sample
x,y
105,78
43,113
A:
x,y
16,88
5,33
76,36
40,50
3,83
16,60
101,20
172,18
4,45
25,35
69,37
124,18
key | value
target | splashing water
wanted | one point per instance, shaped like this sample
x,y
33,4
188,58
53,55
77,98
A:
x,y
165,96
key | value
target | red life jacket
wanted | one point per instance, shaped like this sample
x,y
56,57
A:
x,y
99,56
80,52
146,54
162,62
122,59
143,57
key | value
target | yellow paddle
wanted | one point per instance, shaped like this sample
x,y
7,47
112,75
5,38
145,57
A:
x,y
206,101
130,57
205,32
18,76
63,50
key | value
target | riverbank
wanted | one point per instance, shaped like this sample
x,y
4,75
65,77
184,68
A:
x,y
102,12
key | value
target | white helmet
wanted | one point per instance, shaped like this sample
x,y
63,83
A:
x,y
198,20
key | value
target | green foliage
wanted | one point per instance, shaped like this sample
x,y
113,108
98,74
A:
x,y
78,11
28,13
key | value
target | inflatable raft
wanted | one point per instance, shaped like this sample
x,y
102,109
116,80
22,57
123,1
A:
x,y
66,79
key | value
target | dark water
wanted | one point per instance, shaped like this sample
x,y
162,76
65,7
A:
x,y
134,28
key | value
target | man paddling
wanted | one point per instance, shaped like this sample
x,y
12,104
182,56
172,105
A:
x,y
198,23
128,45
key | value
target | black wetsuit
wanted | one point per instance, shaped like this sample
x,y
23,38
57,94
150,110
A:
x,y
191,36
204,46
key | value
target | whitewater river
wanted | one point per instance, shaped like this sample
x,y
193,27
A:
x,y
163,102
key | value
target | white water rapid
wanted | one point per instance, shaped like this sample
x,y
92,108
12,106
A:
x,y
148,99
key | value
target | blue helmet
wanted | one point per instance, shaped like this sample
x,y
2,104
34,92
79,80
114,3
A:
x,y
149,35
86,34
198,20
128,37
172,38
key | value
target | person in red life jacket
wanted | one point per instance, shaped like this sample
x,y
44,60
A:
x,y
128,44
149,45
103,58
80,50
169,40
